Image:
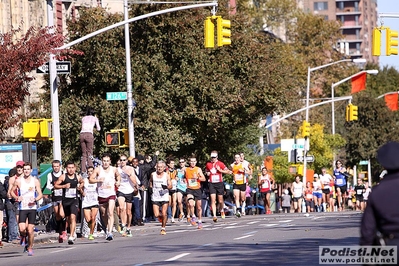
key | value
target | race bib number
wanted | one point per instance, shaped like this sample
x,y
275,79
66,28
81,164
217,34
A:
x,y
216,179
91,195
239,178
359,191
193,182
265,184
28,203
70,192
58,192
340,182
309,196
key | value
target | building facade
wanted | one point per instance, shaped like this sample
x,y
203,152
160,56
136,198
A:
x,y
357,17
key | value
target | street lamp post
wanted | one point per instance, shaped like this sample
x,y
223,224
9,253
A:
x,y
358,61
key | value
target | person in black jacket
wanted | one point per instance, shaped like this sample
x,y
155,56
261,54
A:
x,y
3,196
380,221
147,166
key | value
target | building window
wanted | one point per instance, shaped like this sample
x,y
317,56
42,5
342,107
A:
x,y
320,6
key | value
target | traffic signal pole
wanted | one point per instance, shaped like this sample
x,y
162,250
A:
x,y
131,103
54,90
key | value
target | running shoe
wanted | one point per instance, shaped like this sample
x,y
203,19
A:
x,y
22,242
71,240
91,237
181,216
215,219
163,231
129,233
199,225
269,212
110,237
238,214
188,219
173,220
60,239
30,252
194,221
223,215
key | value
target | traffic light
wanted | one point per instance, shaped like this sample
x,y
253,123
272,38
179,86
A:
x,y
347,113
224,32
352,112
376,47
305,129
392,42
209,33
31,130
37,129
112,139
117,138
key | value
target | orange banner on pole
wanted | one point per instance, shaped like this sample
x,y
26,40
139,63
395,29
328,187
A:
x,y
359,83
392,101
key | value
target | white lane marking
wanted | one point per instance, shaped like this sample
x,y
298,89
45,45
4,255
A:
x,y
286,221
61,250
178,257
205,245
268,225
232,223
253,232
315,218
178,231
232,227
254,222
241,237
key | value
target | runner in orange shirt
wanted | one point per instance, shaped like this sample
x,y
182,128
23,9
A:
x,y
239,186
194,176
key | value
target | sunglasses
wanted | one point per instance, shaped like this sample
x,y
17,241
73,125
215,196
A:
x,y
123,160
182,162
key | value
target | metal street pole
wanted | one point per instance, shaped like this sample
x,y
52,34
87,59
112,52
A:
x,y
130,107
54,90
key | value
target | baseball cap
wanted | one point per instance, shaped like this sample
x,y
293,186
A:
x,y
20,163
214,155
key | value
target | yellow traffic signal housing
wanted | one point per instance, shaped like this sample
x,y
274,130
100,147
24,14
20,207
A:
x,y
117,138
45,128
305,129
392,42
223,31
31,130
112,139
353,114
209,33
376,47
347,113
37,129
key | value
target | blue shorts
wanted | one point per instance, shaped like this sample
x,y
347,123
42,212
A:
x,y
317,194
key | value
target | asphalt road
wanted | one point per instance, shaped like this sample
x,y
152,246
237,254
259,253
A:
x,y
290,239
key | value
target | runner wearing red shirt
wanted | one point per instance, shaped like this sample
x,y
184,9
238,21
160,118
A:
x,y
214,171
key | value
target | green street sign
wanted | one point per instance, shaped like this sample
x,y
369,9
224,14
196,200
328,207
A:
x,y
116,96
363,162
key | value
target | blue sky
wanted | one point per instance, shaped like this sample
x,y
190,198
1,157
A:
x,y
389,6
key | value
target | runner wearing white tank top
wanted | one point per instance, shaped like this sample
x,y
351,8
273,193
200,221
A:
x,y
297,191
125,194
107,178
